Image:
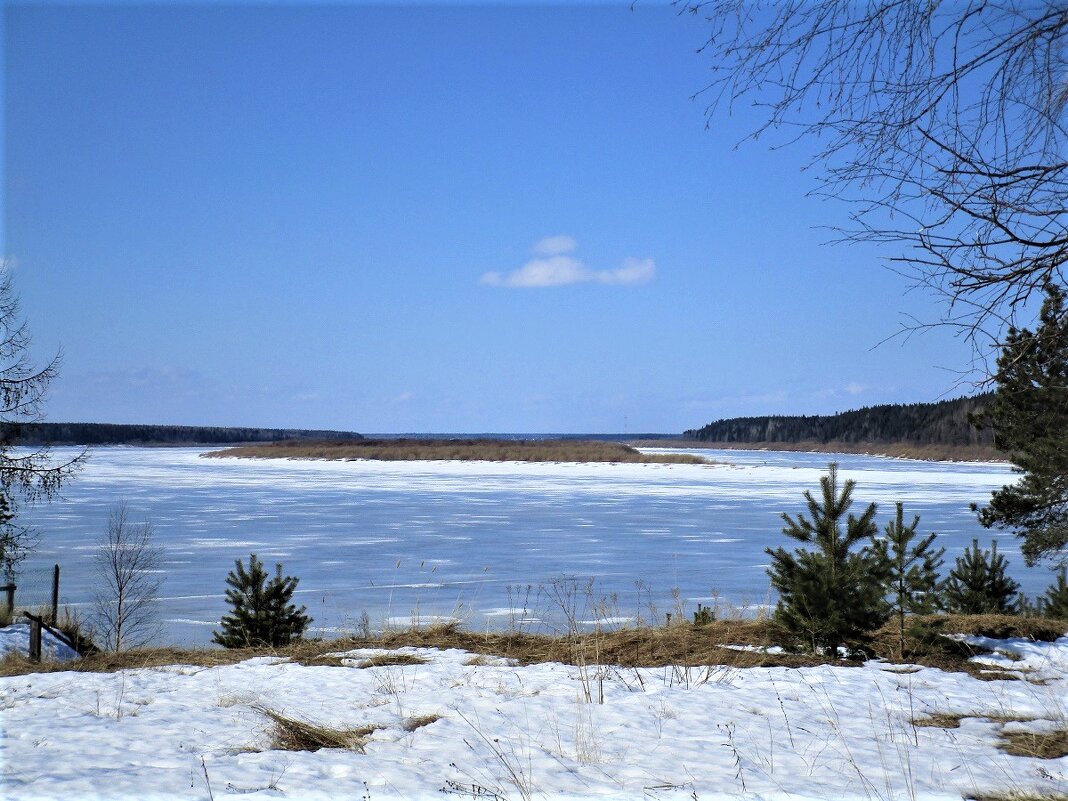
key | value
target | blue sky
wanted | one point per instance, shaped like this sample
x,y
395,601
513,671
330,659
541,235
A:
x,y
412,218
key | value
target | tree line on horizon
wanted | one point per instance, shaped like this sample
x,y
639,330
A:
x,y
37,433
947,422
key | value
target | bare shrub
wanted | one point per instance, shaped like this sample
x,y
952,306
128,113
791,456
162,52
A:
x,y
128,566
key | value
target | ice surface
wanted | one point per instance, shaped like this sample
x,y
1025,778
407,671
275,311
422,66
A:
x,y
466,539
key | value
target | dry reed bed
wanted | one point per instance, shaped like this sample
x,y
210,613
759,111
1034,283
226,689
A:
x,y
485,450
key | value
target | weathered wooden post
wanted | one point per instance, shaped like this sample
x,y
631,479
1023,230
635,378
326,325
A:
x,y
10,590
35,638
55,594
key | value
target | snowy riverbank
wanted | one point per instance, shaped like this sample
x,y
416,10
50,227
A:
x,y
481,727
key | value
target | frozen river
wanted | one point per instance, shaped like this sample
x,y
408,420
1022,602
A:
x,y
465,539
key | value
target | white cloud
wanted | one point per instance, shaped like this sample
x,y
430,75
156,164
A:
x,y
561,270
555,245
633,271
854,388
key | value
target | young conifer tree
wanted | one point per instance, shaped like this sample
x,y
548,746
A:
x,y
1055,602
913,571
1029,417
832,594
979,583
261,611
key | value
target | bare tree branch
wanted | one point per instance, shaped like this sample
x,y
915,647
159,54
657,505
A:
x,y
943,123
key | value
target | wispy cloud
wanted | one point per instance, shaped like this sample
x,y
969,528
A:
x,y
555,245
555,268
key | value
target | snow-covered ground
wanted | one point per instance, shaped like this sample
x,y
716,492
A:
x,y
528,732
16,638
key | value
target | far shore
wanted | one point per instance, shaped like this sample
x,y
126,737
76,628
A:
x,y
898,450
468,450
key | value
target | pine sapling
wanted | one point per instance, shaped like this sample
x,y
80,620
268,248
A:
x,y
1055,602
833,593
261,611
979,583
913,571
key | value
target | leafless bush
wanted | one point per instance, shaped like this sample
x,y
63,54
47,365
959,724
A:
x,y
128,565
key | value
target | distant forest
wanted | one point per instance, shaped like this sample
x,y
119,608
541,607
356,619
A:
x,y
119,434
942,423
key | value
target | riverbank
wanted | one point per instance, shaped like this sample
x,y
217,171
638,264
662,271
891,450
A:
x,y
897,450
386,720
462,450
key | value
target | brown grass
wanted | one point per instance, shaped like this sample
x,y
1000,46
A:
x,y
1003,627
292,734
418,721
945,720
1037,745
1013,795
490,450
677,644
391,660
939,720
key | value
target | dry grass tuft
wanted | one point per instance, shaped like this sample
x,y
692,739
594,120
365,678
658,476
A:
x,y
1013,795
939,720
291,734
945,720
1037,745
391,660
418,721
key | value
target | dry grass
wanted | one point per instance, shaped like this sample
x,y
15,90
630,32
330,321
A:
x,y
926,643
379,660
1037,745
939,720
391,660
676,644
418,721
490,450
292,734
1013,795
1001,627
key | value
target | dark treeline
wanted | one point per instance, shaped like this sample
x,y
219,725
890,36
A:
x,y
120,434
942,423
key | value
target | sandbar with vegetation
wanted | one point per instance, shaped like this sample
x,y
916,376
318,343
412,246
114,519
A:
x,y
468,450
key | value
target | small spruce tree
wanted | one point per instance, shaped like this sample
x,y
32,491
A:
x,y
831,595
261,611
979,583
1055,602
912,571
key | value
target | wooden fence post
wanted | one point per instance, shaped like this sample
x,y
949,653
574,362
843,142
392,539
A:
x,y
55,594
35,639
10,590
